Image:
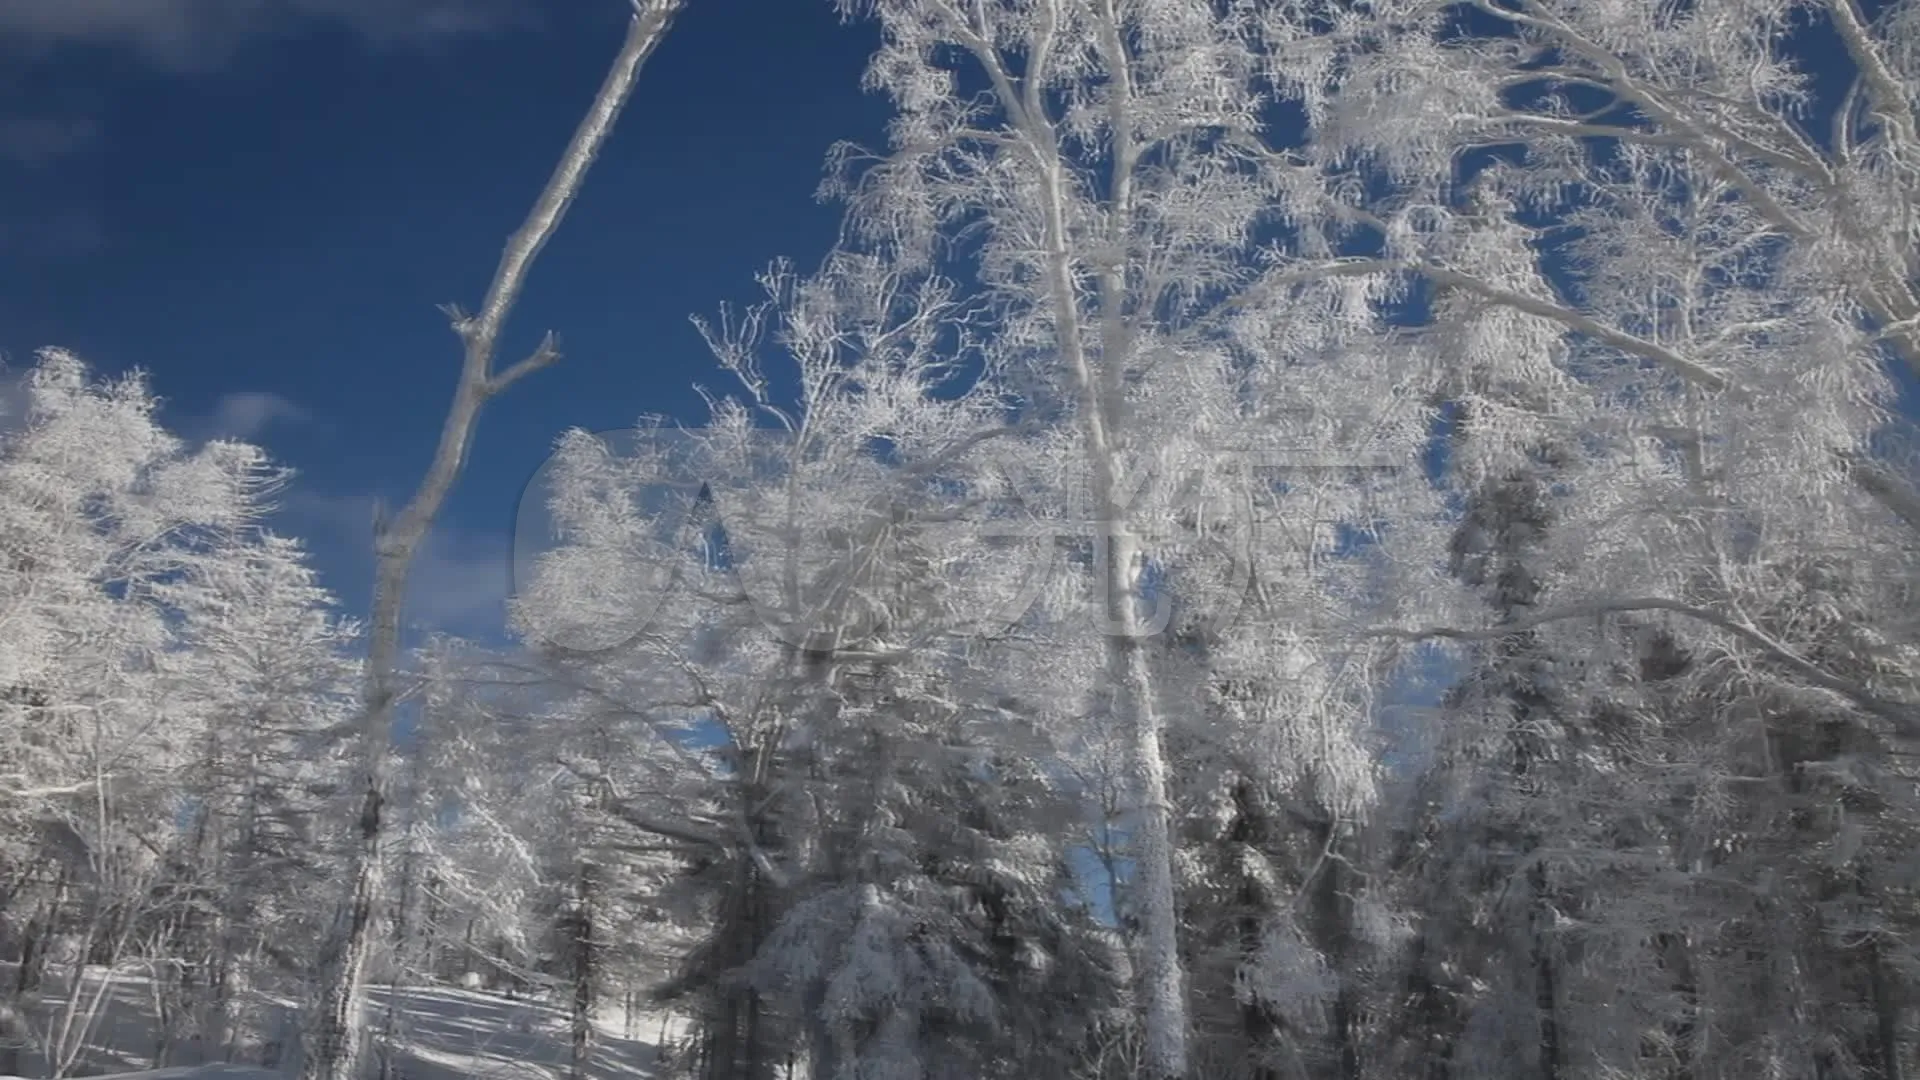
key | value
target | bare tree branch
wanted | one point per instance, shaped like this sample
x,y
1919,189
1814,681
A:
x,y
334,1051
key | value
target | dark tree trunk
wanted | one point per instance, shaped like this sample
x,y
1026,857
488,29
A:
x,y
1546,987
583,970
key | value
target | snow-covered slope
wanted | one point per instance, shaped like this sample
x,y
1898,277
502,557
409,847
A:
x,y
189,1073
438,1033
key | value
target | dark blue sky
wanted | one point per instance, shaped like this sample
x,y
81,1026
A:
x,y
268,229
264,211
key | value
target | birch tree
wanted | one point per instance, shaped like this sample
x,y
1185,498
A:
x,y
1154,250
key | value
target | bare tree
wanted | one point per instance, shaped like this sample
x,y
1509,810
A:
x,y
334,1043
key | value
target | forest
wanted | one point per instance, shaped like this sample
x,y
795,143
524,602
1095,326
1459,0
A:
x,y
1287,540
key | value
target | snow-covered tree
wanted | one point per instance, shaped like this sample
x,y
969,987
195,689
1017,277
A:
x,y
1673,334
1114,177
804,555
167,656
262,661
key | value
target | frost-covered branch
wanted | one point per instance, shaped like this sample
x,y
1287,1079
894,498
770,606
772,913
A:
x,y
1904,717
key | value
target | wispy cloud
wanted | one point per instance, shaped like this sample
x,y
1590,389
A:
x,y
190,33
13,397
38,140
460,579
247,414
462,583
40,127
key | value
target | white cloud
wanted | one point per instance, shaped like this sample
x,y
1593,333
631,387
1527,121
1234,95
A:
x,y
13,397
193,32
460,579
247,414
460,583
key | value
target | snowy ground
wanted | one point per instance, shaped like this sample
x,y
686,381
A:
x,y
191,1073
440,1033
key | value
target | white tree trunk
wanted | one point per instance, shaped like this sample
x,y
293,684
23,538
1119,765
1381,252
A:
x,y
334,1044
1161,982
1160,978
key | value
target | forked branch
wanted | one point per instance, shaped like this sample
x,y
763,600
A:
x,y
335,1043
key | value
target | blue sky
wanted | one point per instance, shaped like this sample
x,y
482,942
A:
x,y
262,203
